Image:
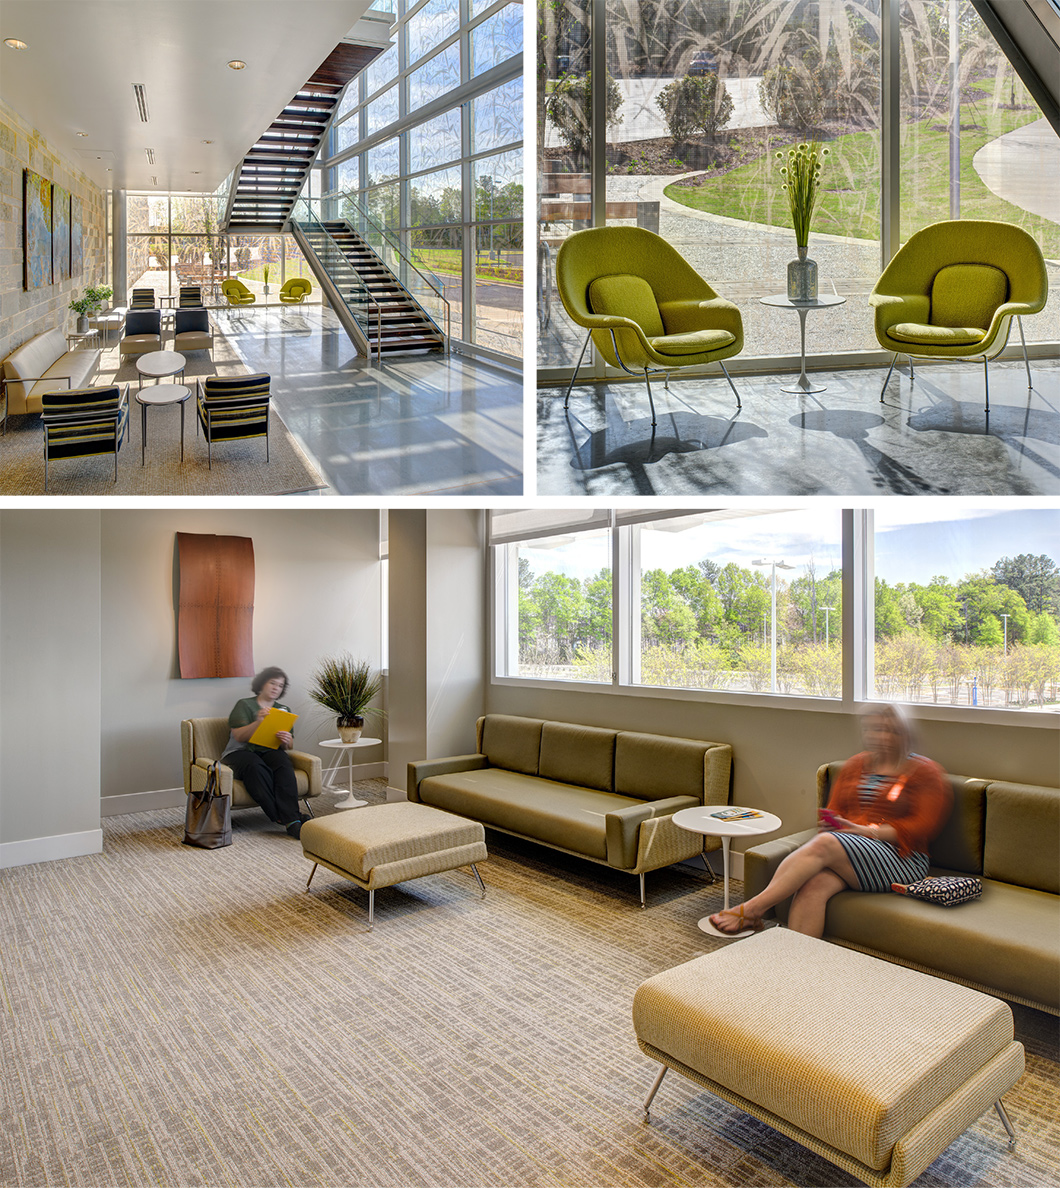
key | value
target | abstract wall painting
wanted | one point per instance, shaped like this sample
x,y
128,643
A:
x,y
60,234
37,230
77,258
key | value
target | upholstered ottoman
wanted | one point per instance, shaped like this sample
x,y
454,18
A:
x,y
385,844
874,1066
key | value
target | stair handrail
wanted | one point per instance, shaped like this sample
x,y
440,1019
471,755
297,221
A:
x,y
349,263
395,243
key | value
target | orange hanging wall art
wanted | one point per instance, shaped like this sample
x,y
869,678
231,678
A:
x,y
215,618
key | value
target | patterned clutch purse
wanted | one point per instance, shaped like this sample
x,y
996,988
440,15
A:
x,y
947,890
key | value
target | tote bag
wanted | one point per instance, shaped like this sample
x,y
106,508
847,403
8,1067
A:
x,y
208,816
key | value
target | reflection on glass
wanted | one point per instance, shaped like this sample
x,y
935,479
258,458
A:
x,y
348,175
497,38
967,607
498,284
380,72
497,117
383,162
435,198
382,110
347,134
563,608
435,142
437,252
435,21
436,76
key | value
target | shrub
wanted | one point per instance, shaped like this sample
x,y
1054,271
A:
x,y
695,105
569,109
791,92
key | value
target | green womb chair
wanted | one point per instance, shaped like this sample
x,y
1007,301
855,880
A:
x,y
237,293
295,291
952,291
644,305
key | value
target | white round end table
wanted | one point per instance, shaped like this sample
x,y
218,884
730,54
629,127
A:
x,y
781,301
161,394
159,364
344,753
705,820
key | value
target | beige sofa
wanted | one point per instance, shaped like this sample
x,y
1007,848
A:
x,y
605,795
1006,943
43,364
203,740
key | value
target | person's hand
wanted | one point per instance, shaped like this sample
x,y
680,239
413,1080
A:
x,y
285,737
261,714
842,825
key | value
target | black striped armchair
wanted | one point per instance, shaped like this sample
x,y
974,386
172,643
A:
x,y
84,423
230,408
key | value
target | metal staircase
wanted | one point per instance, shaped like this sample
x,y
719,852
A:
x,y
378,311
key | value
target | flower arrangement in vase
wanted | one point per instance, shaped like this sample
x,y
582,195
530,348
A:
x,y
346,687
802,174
93,298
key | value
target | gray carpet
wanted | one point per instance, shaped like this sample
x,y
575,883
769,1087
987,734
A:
x,y
184,1017
239,467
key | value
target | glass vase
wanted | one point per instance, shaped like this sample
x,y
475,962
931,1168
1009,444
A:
x,y
802,277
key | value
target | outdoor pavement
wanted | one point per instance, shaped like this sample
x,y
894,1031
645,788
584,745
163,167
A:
x,y
1023,167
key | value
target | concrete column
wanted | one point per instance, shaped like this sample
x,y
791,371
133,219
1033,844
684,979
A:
x,y
119,265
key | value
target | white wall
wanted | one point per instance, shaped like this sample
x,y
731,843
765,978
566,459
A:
x,y
50,663
316,592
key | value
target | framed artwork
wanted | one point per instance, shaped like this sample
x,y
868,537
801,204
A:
x,y
60,234
215,615
76,247
36,230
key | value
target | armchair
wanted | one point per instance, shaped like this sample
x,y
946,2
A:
x,y
84,423
192,330
952,291
142,299
233,407
142,332
237,293
202,742
190,297
295,291
643,305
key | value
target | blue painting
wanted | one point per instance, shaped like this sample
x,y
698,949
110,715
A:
x,y
76,247
60,234
37,230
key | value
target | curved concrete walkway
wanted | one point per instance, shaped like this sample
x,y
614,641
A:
x,y
1023,167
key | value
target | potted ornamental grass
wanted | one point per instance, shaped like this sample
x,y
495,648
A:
x,y
802,179
346,686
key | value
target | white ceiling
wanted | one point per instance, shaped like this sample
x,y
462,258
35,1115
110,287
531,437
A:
x,y
85,55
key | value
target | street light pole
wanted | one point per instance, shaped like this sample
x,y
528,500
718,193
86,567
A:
x,y
826,610
774,566
1006,618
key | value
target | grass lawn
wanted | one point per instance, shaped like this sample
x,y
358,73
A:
x,y
849,200
446,262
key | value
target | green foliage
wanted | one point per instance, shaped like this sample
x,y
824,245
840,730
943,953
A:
x,y
570,106
802,180
695,106
791,91
346,687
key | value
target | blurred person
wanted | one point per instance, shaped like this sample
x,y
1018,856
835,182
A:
x,y
885,807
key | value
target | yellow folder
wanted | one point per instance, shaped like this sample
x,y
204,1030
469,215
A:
x,y
275,719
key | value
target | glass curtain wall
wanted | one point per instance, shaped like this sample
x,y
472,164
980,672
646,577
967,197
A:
x,y
701,97
429,142
172,240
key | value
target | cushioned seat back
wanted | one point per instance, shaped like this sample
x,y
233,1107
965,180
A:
x,y
967,295
627,296
190,296
511,742
142,299
297,287
32,358
583,755
143,321
186,320
209,737
653,767
65,401
959,846
1023,836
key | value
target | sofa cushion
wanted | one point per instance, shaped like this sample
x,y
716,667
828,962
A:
x,y
583,755
1023,836
511,742
959,846
563,815
46,355
695,342
652,766
1008,940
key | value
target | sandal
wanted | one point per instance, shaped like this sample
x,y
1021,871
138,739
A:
x,y
743,922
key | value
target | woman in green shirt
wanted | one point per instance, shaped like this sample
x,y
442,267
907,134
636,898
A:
x,y
267,773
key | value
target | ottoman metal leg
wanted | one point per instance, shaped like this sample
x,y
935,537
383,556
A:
x,y
1007,1124
311,873
371,910
654,1089
482,885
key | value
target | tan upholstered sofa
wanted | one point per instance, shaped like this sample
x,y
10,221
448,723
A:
x,y
43,364
1008,942
203,740
605,795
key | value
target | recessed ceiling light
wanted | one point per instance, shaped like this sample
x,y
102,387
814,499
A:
x,y
236,64
14,43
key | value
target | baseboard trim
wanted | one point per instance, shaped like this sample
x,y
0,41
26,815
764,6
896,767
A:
x,y
51,849
141,802
395,794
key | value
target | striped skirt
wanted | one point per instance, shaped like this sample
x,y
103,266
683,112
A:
x,y
878,864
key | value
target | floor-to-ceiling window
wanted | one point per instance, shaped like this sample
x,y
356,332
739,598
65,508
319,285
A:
x,y
699,98
427,147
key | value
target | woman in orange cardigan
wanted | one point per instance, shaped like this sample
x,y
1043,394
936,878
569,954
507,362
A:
x,y
886,806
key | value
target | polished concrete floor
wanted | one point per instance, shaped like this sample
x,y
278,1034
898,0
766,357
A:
x,y
931,437
412,426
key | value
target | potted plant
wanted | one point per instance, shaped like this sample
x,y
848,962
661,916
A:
x,y
265,273
802,179
346,687
92,299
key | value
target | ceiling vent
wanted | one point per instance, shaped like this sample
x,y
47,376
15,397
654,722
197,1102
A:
x,y
150,156
141,101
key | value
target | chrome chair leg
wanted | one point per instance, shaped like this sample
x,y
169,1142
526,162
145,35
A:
x,y
643,902
1026,361
566,400
986,381
650,400
888,379
731,384
371,910
1007,1124
912,373
654,1089
482,885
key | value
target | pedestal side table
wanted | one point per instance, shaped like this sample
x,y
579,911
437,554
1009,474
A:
x,y
780,301
703,820
344,757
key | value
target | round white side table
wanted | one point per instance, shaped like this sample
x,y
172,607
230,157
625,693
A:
x,y
703,820
781,301
344,754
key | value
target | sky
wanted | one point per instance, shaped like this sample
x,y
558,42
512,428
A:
x,y
915,540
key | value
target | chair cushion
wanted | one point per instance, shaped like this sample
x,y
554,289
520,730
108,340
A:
x,y
964,295
922,334
193,340
625,296
191,319
81,400
143,321
697,342
140,344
